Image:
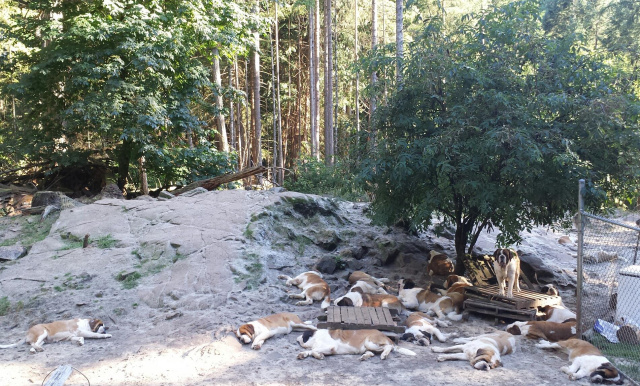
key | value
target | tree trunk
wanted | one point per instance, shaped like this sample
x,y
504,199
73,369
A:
x,y
124,157
223,143
357,71
328,86
374,44
232,125
279,177
399,44
313,80
144,185
257,139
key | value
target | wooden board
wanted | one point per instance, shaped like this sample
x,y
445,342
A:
x,y
360,318
525,299
59,376
493,309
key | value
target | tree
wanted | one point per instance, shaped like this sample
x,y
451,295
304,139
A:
x,y
328,86
122,80
255,68
399,43
496,128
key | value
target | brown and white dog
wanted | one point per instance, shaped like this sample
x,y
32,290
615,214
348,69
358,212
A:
x,y
439,264
507,267
550,331
74,330
367,284
313,288
357,299
412,297
483,352
558,314
455,283
420,328
348,342
262,329
586,360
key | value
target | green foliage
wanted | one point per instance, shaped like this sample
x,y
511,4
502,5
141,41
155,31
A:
x,y
106,242
31,230
5,305
313,176
130,280
496,127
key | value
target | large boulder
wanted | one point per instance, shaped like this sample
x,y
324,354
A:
x,y
13,252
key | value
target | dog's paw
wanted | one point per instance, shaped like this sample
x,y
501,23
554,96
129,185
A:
x,y
256,346
565,369
440,358
107,336
572,377
302,355
302,303
80,341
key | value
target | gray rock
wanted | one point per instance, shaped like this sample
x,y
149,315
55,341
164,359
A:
x,y
166,195
327,240
13,252
279,262
326,265
194,192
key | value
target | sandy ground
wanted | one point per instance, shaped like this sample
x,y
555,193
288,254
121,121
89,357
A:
x,y
175,327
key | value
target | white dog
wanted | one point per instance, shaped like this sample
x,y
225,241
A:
x,y
507,267
313,288
262,329
483,352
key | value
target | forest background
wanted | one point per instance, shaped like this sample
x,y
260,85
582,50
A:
x,y
485,113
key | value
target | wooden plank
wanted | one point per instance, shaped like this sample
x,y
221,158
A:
x,y
351,315
335,314
388,317
358,312
374,316
59,376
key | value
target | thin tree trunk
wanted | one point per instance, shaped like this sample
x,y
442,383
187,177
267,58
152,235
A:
x,y
273,110
257,151
374,44
279,171
124,157
223,143
144,185
241,158
249,117
399,44
357,71
328,86
232,126
313,80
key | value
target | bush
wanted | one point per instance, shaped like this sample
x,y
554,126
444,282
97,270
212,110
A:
x,y
314,177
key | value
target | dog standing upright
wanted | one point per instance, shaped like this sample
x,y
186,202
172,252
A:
x,y
74,330
507,267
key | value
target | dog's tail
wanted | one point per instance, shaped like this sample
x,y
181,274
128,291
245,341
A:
x,y
14,345
326,302
548,345
454,316
404,351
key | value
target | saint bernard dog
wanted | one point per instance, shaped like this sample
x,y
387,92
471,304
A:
x,y
507,268
348,342
558,314
483,352
550,331
455,283
262,329
412,297
74,330
357,299
367,284
586,360
313,288
420,328
439,264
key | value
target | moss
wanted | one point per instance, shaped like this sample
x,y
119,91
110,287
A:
x,y
5,305
31,231
106,242
130,280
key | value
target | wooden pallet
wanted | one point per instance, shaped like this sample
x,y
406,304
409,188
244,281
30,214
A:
x,y
360,318
491,308
522,300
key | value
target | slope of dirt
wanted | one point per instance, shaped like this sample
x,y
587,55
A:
x,y
194,269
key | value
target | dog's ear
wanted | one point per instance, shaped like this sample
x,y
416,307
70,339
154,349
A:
x,y
345,302
496,254
409,284
95,324
406,336
514,330
306,335
248,330
358,290
605,371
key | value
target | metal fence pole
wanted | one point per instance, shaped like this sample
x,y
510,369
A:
x,y
580,225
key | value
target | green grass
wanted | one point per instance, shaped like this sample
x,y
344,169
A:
x,y
129,281
5,305
31,232
106,242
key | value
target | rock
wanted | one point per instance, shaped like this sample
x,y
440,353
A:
x,y
112,191
310,206
194,192
354,265
166,195
278,189
327,240
57,199
279,262
327,265
533,266
13,252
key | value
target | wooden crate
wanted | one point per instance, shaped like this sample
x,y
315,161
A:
x,y
494,309
360,318
525,299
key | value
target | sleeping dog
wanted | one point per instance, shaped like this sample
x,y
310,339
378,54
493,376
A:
x,y
421,327
507,267
550,331
367,284
348,342
424,300
312,286
74,330
455,283
262,329
357,299
483,352
586,360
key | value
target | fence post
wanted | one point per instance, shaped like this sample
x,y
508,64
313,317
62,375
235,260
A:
x,y
580,225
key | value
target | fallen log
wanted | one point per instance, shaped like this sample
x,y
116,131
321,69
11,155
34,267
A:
x,y
215,182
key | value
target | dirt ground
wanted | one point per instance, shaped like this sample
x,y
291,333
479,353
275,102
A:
x,y
209,263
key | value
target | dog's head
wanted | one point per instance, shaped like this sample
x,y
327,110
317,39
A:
x,y
97,326
245,333
345,302
514,328
306,339
503,256
607,374
485,359
549,289
405,284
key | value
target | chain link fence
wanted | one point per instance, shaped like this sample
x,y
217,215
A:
x,y
609,292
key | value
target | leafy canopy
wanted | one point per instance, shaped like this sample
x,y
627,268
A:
x,y
496,126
